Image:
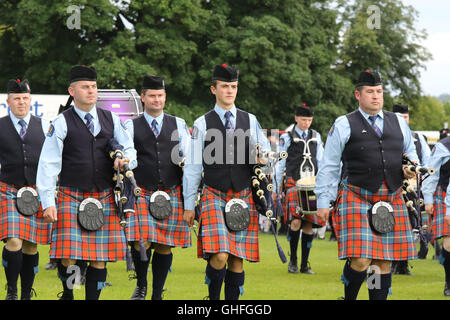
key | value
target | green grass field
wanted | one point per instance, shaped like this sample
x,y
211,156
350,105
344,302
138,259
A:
x,y
267,279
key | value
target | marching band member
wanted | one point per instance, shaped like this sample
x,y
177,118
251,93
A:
x,y
300,142
220,148
437,187
370,142
159,175
85,220
22,226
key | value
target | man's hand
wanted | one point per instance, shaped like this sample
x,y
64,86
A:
x,y
447,220
323,213
429,209
50,214
120,162
274,197
189,216
408,174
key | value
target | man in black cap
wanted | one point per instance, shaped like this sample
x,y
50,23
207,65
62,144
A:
x,y
305,149
160,141
423,153
371,220
220,148
86,223
22,226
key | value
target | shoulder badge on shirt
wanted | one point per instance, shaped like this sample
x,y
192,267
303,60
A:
x,y
331,130
51,130
194,132
282,142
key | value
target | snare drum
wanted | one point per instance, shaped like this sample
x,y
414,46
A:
x,y
306,198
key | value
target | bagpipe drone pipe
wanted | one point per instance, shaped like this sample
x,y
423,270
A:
x,y
262,191
125,193
411,190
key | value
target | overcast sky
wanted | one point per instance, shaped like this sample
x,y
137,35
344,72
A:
x,y
434,17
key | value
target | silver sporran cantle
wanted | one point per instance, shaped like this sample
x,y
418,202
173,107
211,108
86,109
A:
x,y
160,206
27,201
90,214
381,217
237,215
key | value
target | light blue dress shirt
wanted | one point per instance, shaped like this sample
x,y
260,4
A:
x,y
45,123
328,176
285,143
194,166
182,130
50,161
439,157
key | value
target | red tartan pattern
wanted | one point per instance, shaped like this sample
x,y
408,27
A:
x,y
214,236
15,225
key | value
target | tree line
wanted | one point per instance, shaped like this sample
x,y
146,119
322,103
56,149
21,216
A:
x,y
288,52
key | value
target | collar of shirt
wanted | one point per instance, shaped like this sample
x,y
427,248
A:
x,y
221,112
366,115
300,132
16,120
82,113
159,120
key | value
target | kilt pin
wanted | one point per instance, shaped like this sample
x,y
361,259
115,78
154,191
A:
x,y
71,241
290,204
214,236
172,231
15,225
354,234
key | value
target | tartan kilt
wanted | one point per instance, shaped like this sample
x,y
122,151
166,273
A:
x,y
15,225
215,237
71,241
172,231
439,228
290,203
354,234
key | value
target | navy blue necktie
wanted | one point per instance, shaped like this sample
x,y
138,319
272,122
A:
x,y
228,124
89,122
155,128
304,135
23,130
374,126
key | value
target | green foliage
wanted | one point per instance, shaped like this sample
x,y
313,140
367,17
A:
x,y
288,52
429,114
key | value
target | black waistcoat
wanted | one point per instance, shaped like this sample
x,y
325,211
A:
x,y
85,160
295,154
226,173
418,146
19,159
444,172
157,158
369,159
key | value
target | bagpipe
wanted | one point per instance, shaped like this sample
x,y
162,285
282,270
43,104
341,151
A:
x,y
412,195
262,188
125,193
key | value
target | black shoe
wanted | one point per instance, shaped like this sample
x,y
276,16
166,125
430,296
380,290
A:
x,y
27,294
139,293
65,295
292,267
446,291
11,293
306,269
